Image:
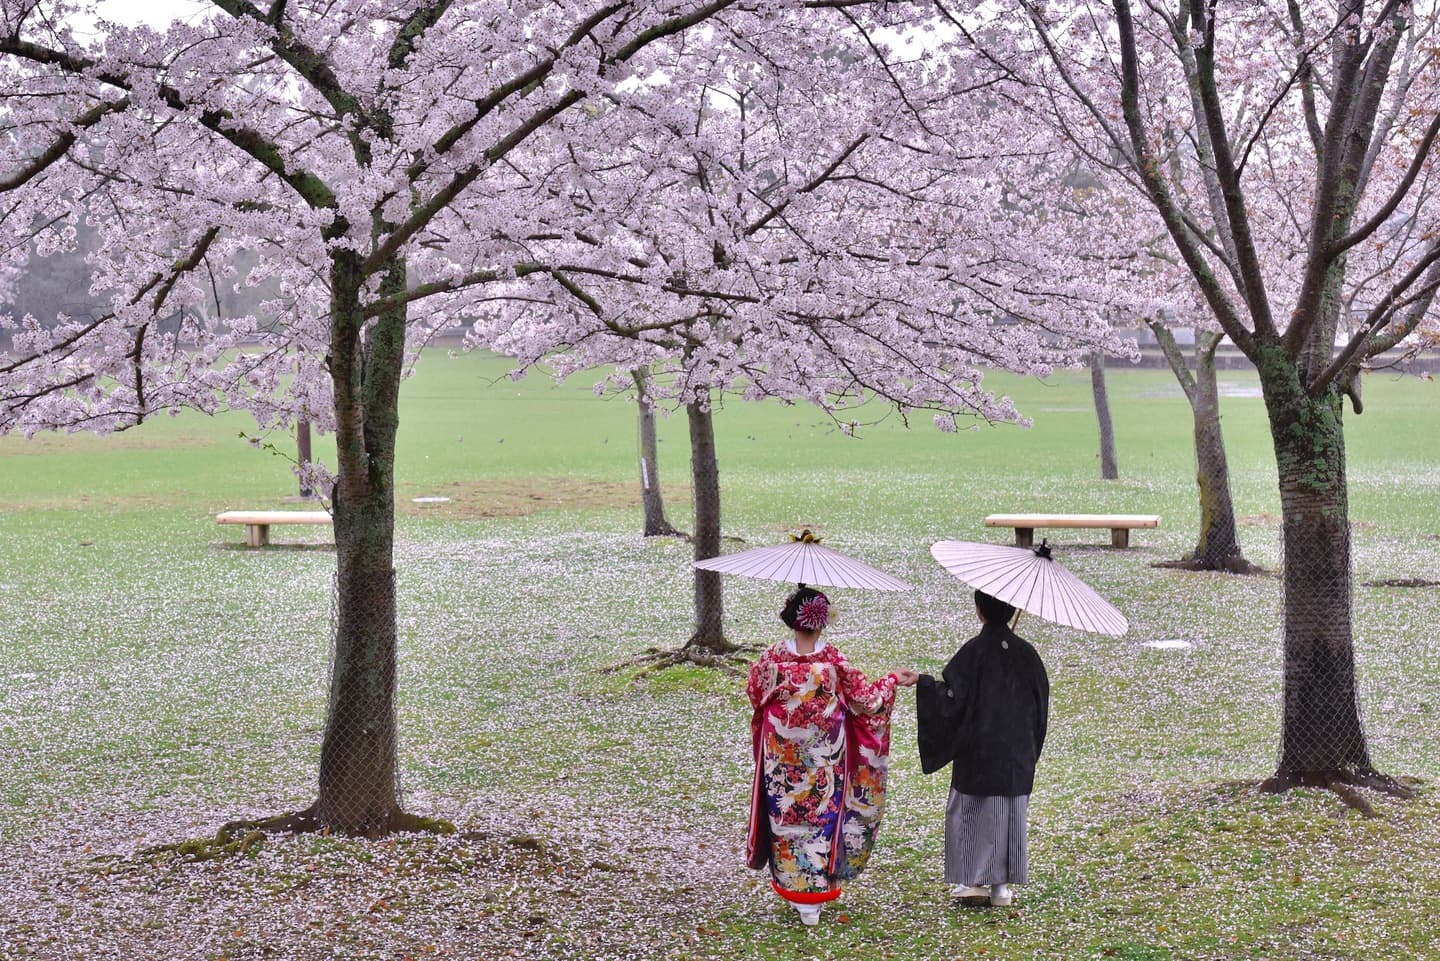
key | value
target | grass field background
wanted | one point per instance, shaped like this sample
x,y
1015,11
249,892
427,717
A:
x,y
157,679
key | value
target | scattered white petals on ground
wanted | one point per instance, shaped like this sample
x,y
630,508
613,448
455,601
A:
x,y
531,883
177,683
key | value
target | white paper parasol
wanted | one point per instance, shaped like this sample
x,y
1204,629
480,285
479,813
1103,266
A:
x,y
803,561
1031,580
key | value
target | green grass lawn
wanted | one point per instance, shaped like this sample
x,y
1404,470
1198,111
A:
x,y
156,679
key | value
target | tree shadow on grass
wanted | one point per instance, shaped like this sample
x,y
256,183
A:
x,y
230,546
1234,565
1401,582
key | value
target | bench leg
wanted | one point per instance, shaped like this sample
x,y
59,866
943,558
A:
x,y
257,535
1024,537
1119,537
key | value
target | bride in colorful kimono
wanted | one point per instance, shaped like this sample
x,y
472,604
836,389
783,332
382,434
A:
x,y
821,738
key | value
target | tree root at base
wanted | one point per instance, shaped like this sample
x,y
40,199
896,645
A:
x,y
1343,784
296,822
240,837
1231,565
654,659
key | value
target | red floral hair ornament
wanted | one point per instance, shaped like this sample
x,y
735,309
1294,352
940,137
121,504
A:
x,y
813,614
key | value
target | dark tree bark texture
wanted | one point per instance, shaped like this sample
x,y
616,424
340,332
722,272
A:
x,y
656,523
1217,547
1322,738
709,634
357,792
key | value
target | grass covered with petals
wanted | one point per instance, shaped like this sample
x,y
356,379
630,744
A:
x,y
157,680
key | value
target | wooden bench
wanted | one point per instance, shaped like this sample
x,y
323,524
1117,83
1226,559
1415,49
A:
x,y
1119,525
257,523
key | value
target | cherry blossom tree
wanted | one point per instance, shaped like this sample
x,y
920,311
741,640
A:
x,y
1217,545
802,236
1094,225
360,155
1303,217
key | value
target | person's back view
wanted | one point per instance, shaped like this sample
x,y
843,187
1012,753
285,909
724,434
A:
x,y
821,740
986,716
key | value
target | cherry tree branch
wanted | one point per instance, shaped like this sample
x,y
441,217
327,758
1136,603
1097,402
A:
x,y
311,188
1165,337
1392,203
1326,207
1399,296
813,184
425,16
522,84
1148,169
1305,71
1238,216
424,213
310,63
166,281
1416,308
43,160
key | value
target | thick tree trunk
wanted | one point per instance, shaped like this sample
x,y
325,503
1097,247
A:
x,y
357,792
656,523
1218,546
709,633
1322,738
1109,468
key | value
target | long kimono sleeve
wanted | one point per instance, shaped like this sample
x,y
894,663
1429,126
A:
x,y
937,722
865,696
867,738
758,687
761,681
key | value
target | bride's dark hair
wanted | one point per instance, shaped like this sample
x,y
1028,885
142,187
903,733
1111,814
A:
x,y
790,613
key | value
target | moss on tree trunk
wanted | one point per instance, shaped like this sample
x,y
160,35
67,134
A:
x,y
1217,548
1218,545
1322,738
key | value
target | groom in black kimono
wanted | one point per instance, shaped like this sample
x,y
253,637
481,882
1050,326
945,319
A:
x,y
986,717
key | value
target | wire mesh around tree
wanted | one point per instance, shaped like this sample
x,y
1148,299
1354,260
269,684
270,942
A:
x,y
359,763
1322,725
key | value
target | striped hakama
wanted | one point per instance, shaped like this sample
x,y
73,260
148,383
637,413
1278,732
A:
x,y
985,839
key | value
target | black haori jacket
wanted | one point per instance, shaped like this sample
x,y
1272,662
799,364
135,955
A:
x,y
987,713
